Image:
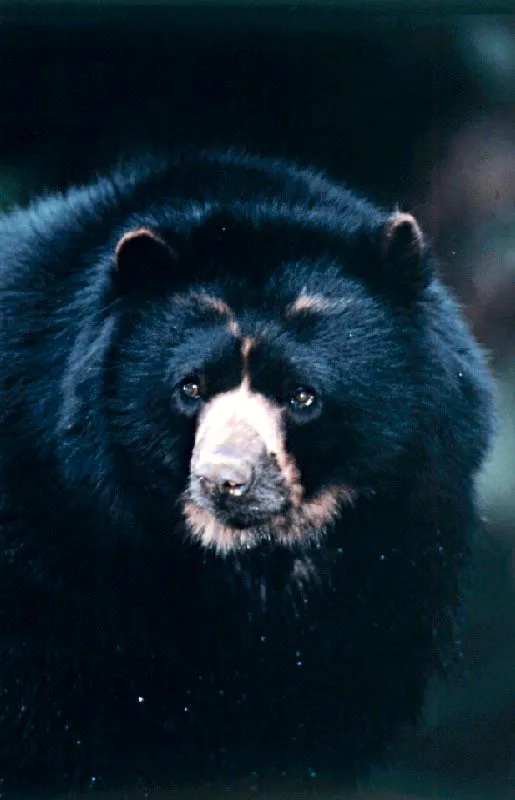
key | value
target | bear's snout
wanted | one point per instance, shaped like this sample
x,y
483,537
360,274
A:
x,y
235,473
225,473
237,482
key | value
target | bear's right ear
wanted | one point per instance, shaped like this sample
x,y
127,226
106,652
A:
x,y
142,260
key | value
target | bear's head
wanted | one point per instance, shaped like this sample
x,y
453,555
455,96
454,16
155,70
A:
x,y
264,365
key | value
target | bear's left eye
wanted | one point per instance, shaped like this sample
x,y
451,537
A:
x,y
190,389
302,399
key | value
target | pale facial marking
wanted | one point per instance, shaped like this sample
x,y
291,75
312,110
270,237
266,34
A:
x,y
246,417
242,405
221,307
303,525
316,304
213,534
247,345
308,522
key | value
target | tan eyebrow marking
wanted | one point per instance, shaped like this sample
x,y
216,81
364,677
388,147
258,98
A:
x,y
221,307
316,304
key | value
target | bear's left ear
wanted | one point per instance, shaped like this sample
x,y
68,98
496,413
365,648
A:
x,y
142,259
404,255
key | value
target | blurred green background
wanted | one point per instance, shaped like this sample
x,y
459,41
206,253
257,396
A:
x,y
415,108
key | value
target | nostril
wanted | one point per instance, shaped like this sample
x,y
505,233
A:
x,y
223,487
230,479
235,489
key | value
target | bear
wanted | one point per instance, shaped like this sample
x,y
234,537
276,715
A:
x,y
241,424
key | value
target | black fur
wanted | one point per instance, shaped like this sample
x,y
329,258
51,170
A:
x,y
120,639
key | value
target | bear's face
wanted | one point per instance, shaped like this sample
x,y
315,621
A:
x,y
266,404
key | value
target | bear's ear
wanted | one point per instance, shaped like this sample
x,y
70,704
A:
x,y
142,259
405,259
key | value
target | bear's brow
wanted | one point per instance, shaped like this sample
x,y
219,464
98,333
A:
x,y
220,307
316,304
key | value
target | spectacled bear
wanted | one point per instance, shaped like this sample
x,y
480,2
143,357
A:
x,y
241,420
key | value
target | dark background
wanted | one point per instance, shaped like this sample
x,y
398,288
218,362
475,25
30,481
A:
x,y
413,108
354,93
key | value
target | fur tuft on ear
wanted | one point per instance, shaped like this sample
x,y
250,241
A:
x,y
404,255
141,258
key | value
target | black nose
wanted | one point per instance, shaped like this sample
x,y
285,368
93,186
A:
x,y
228,477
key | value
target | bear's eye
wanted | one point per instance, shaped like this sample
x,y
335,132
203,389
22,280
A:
x,y
302,398
190,388
187,395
